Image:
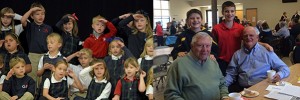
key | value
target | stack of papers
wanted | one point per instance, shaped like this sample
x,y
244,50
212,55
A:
x,y
287,92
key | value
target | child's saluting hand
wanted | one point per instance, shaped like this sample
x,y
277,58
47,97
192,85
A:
x,y
1,42
9,74
9,14
96,64
121,44
102,20
36,9
124,16
138,16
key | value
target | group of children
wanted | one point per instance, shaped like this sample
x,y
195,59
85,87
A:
x,y
107,69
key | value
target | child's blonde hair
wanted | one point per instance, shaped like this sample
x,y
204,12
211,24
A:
x,y
106,73
61,62
110,45
87,51
75,26
14,61
96,18
149,42
37,4
55,36
149,77
148,29
2,12
132,61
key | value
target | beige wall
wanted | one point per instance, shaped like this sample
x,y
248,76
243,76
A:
x,y
203,10
270,10
178,9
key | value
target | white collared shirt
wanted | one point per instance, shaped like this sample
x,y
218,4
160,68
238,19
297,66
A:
x,y
84,74
18,28
76,69
53,80
115,57
100,81
149,90
106,92
2,79
147,57
41,65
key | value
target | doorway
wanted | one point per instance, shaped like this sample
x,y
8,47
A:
x,y
239,14
209,18
251,15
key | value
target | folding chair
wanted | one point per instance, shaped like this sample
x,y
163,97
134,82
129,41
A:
x,y
291,57
276,44
160,64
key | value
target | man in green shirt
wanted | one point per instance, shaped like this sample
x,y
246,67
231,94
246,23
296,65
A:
x,y
196,76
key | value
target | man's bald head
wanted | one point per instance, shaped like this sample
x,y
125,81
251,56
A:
x,y
250,29
250,37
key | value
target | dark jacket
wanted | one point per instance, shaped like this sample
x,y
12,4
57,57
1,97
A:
x,y
183,43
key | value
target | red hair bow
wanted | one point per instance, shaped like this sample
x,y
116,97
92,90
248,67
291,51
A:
x,y
74,16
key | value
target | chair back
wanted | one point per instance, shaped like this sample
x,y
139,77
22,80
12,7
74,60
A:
x,y
160,59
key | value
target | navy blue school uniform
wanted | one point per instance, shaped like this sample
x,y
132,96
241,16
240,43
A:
x,y
115,69
94,91
18,86
7,56
36,37
57,89
4,33
47,72
128,90
145,66
70,42
115,66
136,41
121,31
53,61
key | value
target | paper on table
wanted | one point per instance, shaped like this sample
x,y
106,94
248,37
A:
x,y
162,51
274,88
279,96
291,90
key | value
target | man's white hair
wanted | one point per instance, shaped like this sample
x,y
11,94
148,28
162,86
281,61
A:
x,y
200,35
282,24
251,27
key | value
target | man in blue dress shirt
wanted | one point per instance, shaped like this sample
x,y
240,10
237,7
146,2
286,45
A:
x,y
249,65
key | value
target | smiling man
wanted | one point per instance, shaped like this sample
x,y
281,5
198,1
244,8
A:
x,y
196,76
249,65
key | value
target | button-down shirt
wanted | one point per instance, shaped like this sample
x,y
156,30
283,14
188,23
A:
x,y
283,32
251,66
